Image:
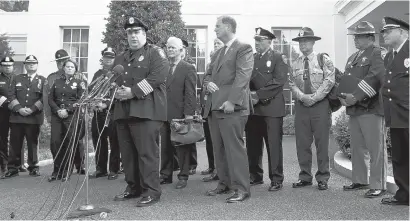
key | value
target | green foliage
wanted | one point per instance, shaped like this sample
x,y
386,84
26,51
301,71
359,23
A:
x,y
342,135
14,5
289,125
163,18
5,49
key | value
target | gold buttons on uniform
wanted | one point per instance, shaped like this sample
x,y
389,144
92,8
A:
x,y
28,89
126,72
129,65
348,74
388,90
389,99
389,72
388,81
27,95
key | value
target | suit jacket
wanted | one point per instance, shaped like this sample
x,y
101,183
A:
x,y
145,72
232,76
368,68
26,93
395,88
271,72
181,91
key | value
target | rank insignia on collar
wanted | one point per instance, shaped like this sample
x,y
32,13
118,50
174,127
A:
x,y
141,58
268,63
364,59
407,62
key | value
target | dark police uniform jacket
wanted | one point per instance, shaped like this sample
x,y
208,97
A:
x,y
47,87
24,93
368,69
395,89
65,93
268,79
145,71
4,89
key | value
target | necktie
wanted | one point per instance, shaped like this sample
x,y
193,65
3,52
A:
x,y
394,54
306,77
222,54
171,69
357,55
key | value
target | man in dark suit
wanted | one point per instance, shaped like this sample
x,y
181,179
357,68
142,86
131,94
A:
x,y
181,103
227,108
140,111
395,91
265,124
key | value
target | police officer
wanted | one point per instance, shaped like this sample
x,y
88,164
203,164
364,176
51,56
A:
x,y
5,78
310,84
395,92
140,111
265,124
26,105
97,128
61,56
65,120
365,110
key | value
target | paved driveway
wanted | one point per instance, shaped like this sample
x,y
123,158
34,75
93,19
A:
x,y
26,196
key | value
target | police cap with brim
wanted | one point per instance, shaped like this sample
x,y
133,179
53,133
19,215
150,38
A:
x,y
363,28
391,23
31,59
108,52
61,55
263,34
306,33
134,23
7,61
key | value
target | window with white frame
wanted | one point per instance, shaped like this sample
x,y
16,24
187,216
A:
x,y
75,42
197,41
284,44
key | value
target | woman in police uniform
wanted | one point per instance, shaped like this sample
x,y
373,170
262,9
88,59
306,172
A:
x,y
64,94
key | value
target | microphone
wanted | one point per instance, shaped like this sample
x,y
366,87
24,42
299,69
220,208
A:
x,y
118,70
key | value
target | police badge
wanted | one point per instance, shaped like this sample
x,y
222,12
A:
x,y
268,63
141,58
407,62
74,84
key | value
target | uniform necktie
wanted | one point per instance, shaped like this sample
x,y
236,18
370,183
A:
x,y
222,54
306,77
394,54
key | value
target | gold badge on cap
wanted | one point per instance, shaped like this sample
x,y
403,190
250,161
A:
x,y
268,63
301,32
258,31
131,20
384,22
407,62
141,58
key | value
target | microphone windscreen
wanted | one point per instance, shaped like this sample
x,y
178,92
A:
x,y
118,69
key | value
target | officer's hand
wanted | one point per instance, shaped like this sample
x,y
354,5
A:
x,y
212,87
76,105
125,93
102,106
307,100
350,99
23,112
227,107
254,98
343,102
28,111
48,119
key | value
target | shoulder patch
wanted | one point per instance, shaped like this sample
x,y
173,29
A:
x,y
82,85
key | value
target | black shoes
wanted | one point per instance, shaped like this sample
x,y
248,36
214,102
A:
x,y
11,173
34,172
217,191
355,186
113,176
394,202
238,196
192,171
81,171
98,174
211,177
256,182
181,184
126,196
22,169
301,183
207,171
373,193
165,181
147,201
275,186
322,185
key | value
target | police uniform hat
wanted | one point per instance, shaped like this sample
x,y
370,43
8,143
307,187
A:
x,y
132,22
7,61
61,54
185,43
31,59
108,52
263,34
391,23
364,28
306,33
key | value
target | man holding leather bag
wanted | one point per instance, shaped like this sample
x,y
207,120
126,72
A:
x,y
265,123
181,103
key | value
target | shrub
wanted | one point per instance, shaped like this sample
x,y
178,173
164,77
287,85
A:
x,y
289,125
342,135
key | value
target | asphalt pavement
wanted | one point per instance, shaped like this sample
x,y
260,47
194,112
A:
x,y
25,197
